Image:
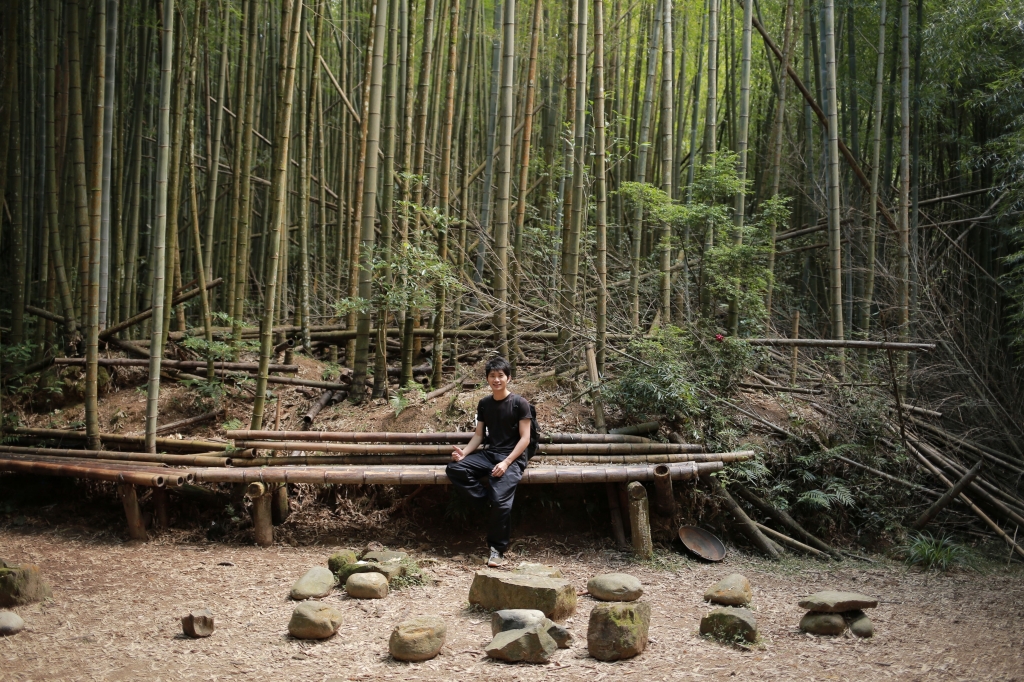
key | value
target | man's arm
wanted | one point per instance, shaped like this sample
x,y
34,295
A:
x,y
458,454
524,442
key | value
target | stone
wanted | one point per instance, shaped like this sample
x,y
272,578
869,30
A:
x,y
317,582
732,590
730,623
859,624
532,645
346,570
10,623
831,601
495,590
314,620
615,587
526,568
390,569
198,623
384,556
340,559
367,586
20,585
618,630
417,639
823,623
524,619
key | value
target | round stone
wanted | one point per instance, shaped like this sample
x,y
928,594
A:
x,y
828,624
860,625
615,587
730,624
367,586
732,590
10,623
317,582
314,620
417,639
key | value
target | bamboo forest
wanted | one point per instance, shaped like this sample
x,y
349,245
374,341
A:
x,y
734,288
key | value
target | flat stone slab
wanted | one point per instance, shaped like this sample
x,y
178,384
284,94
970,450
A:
x,y
317,582
730,623
367,586
314,620
532,645
817,623
615,587
198,623
417,639
496,590
544,570
618,630
732,590
10,623
832,601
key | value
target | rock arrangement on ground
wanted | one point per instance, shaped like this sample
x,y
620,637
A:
x,y
417,639
732,590
367,586
730,623
314,620
388,563
615,587
497,590
20,585
831,612
317,582
198,623
10,623
618,630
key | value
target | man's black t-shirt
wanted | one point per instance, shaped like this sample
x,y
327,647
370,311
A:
x,y
501,421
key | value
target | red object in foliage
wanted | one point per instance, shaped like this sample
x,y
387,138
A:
x,y
719,337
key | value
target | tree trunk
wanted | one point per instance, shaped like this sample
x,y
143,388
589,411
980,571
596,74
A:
x,y
876,142
903,236
600,191
741,148
667,95
778,143
835,245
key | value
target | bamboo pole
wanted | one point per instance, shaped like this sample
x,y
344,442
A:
x,y
190,421
664,499
840,343
95,473
781,516
172,477
947,497
544,449
113,438
404,459
177,364
746,525
208,460
400,437
786,540
637,429
618,531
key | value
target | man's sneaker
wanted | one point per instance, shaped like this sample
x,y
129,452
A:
x,y
496,559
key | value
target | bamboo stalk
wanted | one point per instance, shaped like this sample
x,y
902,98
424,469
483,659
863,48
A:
x,y
947,497
401,437
94,473
544,449
177,364
780,516
190,421
117,455
640,519
786,540
746,525
403,459
111,438
172,477
637,429
840,343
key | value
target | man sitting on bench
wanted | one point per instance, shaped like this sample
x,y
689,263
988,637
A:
x,y
503,420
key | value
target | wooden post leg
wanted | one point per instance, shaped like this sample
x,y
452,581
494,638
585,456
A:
x,y
620,489
640,519
262,521
618,532
664,499
130,500
161,513
280,509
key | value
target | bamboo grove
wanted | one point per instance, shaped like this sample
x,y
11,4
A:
x,y
370,175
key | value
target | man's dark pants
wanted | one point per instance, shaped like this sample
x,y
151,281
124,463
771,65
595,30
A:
x,y
468,474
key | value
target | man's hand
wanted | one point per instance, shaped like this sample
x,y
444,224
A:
x,y
458,455
499,469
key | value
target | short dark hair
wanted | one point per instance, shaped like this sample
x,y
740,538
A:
x,y
498,364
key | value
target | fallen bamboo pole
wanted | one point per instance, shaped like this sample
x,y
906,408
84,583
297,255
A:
x,y
959,470
161,443
636,429
947,497
95,473
45,314
746,524
987,453
190,421
146,314
426,449
369,460
178,364
966,500
401,437
895,479
369,475
118,456
781,389
840,343
315,408
786,540
174,477
781,516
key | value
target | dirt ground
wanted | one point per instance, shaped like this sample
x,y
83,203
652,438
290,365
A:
x,y
116,608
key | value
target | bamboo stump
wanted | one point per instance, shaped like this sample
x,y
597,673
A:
x,y
161,512
640,519
618,531
280,509
262,517
664,498
132,512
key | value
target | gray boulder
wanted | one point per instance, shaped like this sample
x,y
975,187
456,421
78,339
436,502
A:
x,y
618,630
340,559
532,645
317,582
367,586
859,624
732,590
417,639
496,590
524,619
198,623
823,623
615,587
730,623
314,620
832,601
10,623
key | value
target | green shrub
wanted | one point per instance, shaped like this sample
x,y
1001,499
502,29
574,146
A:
x,y
933,553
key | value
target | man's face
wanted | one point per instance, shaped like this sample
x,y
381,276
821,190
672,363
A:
x,y
497,380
